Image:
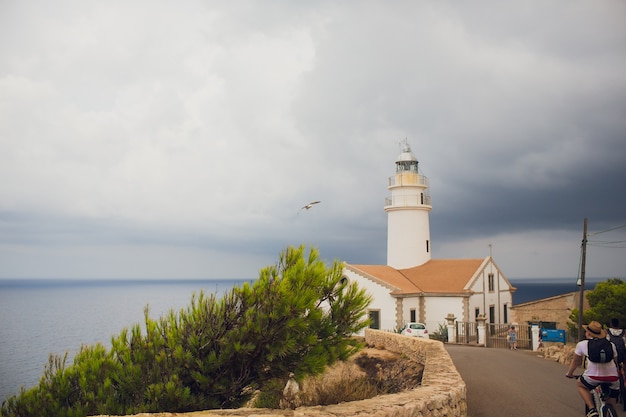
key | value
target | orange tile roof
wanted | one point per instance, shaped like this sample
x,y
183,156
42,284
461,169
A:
x,y
443,275
435,276
387,275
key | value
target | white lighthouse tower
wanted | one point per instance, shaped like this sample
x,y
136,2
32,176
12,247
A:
x,y
408,208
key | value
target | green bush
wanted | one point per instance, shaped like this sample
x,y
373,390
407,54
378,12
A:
x,y
441,333
606,301
270,394
297,317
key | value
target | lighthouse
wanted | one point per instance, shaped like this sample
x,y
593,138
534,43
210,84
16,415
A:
x,y
408,208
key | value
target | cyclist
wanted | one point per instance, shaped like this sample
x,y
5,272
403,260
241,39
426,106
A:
x,y
596,372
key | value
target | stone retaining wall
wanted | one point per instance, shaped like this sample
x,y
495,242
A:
x,y
442,392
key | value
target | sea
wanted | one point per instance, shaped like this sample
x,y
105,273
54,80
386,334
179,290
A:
x,y
52,316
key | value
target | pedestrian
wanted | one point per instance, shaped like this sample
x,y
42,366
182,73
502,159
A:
x,y
617,336
597,372
512,338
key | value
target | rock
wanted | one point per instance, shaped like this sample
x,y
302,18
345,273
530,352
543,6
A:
x,y
290,393
559,353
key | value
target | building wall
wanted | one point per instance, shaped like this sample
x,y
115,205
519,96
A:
x,y
505,297
554,309
437,308
432,309
406,250
381,302
408,304
500,297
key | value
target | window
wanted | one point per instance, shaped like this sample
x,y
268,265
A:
x,y
476,312
492,314
427,246
422,198
506,314
406,166
491,283
374,319
413,315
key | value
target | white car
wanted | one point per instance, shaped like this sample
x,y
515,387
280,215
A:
x,y
415,329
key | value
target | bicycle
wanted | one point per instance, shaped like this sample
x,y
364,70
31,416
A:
x,y
600,394
622,389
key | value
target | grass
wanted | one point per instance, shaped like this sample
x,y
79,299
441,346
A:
x,y
369,373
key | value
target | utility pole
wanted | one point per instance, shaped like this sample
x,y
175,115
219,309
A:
x,y
582,282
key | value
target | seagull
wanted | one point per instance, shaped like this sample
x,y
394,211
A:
x,y
308,206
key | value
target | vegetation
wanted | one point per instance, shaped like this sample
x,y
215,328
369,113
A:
x,y
365,375
297,317
606,301
441,333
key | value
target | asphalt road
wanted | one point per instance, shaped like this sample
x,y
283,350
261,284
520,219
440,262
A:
x,y
516,383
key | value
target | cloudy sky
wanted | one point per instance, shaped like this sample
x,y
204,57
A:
x,y
161,139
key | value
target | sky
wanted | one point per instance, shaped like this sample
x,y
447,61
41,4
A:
x,y
161,139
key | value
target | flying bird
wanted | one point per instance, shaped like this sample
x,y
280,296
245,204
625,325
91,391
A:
x,y
308,206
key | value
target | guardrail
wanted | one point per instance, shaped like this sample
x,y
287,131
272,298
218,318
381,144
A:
x,y
408,201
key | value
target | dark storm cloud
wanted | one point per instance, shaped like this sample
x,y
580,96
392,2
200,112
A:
x,y
182,140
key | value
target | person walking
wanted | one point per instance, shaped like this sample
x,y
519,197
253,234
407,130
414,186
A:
x,y
512,338
597,372
617,336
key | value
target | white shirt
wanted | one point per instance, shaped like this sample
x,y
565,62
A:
x,y
595,368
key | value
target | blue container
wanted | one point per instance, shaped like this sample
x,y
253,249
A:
x,y
549,335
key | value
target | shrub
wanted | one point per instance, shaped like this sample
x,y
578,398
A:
x,y
269,395
441,333
297,317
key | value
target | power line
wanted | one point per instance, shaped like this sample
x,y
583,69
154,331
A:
x,y
607,230
608,245
606,242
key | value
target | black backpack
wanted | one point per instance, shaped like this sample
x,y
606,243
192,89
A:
x,y
600,350
618,341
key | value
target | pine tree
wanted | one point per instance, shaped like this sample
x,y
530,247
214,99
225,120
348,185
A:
x,y
299,317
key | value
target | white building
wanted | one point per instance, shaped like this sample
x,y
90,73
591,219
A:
x,y
414,287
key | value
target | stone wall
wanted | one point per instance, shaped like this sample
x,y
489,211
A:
x,y
558,352
442,392
555,309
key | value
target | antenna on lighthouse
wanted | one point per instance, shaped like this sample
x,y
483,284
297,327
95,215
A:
x,y
403,144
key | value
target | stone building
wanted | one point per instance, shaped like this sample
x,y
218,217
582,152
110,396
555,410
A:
x,y
555,309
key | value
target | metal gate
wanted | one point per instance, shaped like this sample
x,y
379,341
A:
x,y
496,336
466,332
